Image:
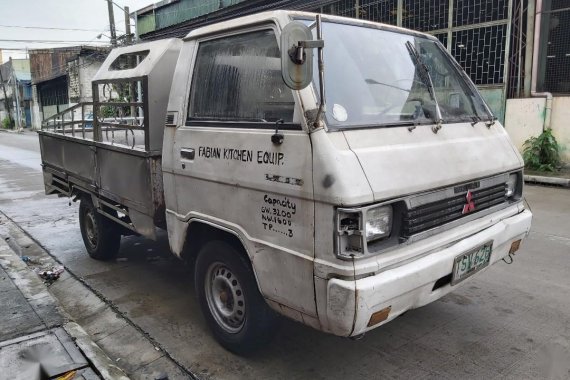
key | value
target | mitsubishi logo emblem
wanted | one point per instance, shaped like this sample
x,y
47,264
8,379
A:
x,y
470,205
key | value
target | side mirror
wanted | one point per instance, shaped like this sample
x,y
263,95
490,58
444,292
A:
x,y
297,55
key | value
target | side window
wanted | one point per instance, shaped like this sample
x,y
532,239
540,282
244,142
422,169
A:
x,y
238,78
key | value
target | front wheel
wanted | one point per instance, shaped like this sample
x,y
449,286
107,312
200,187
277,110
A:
x,y
229,298
101,236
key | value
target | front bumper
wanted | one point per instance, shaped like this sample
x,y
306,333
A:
x,y
350,304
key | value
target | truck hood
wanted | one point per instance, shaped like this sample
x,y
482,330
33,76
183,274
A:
x,y
397,161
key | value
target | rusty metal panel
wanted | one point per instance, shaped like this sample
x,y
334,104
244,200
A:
x,y
157,191
69,156
47,64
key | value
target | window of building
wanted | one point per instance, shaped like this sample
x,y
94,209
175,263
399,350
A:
x,y
554,56
238,78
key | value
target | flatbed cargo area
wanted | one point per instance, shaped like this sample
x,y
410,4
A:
x,y
111,148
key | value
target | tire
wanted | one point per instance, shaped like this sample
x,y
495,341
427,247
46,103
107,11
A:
x,y
101,236
241,321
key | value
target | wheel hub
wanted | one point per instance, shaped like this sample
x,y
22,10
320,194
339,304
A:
x,y
91,228
225,297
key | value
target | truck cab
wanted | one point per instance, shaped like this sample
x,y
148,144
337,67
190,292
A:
x,y
339,188
361,214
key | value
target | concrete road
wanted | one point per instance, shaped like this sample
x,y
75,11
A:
x,y
513,322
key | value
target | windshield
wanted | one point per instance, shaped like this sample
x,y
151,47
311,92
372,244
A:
x,y
372,79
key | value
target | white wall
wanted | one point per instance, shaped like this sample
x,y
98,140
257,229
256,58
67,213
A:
x,y
561,125
88,69
525,118
36,114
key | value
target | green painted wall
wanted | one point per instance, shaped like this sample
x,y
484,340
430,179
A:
x,y
178,12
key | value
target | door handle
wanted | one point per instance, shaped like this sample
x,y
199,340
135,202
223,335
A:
x,y
187,153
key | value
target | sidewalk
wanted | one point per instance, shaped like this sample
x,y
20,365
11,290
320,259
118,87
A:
x,y
37,339
108,338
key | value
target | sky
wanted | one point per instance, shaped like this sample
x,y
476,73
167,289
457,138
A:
x,y
89,15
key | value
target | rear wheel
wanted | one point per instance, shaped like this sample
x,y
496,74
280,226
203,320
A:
x,y
229,298
101,236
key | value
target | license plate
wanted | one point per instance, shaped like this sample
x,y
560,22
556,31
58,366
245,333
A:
x,y
471,262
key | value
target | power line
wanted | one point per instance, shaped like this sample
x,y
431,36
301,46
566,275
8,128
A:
x,y
48,28
47,41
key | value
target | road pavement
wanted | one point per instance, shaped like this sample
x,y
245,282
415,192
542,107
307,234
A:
x,y
512,322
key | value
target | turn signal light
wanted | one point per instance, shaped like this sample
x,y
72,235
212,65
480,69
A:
x,y
379,316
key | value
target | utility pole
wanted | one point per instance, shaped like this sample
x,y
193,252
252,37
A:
x,y
17,95
6,102
129,38
112,23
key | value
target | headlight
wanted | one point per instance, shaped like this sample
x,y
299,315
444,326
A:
x,y
366,231
378,223
511,185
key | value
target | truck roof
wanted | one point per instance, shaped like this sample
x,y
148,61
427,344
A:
x,y
282,17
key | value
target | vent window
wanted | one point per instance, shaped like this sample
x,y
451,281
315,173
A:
x,y
128,61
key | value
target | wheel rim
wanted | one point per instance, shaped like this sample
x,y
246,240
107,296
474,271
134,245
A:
x,y
225,297
91,228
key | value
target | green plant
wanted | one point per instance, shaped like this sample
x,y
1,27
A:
x,y
7,123
542,153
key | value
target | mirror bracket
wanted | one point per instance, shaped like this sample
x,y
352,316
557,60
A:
x,y
297,52
297,44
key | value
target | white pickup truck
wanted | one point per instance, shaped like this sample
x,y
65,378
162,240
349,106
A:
x,y
340,209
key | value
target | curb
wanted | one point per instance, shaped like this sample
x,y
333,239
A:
x,y
543,180
24,131
101,327
105,366
33,288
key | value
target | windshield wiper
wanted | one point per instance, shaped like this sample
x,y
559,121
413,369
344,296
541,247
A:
x,y
426,79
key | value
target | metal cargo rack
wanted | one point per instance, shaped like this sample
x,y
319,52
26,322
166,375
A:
x,y
111,148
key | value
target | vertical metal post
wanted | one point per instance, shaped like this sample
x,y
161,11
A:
x,y
136,18
507,50
520,47
357,9
146,115
530,11
449,26
83,120
400,13
73,122
128,37
112,22
537,46
321,65
97,135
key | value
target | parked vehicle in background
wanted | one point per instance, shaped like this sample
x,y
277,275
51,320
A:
x,y
340,209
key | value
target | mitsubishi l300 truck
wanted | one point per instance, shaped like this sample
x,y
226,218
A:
x,y
335,171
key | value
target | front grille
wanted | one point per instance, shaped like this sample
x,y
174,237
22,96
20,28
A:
x,y
432,215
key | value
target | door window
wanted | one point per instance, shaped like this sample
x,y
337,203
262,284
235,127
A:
x,y
238,78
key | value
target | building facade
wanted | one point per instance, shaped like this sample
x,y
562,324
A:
x,y
16,92
61,77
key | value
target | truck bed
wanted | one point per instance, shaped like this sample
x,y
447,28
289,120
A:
x,y
127,180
